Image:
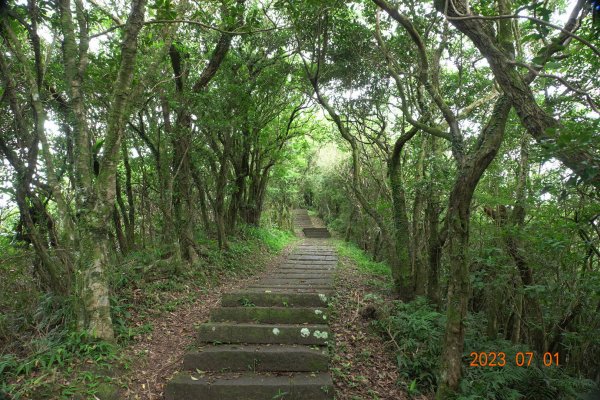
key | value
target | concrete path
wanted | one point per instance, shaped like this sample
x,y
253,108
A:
x,y
268,341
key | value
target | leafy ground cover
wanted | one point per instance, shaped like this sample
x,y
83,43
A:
x,y
386,348
362,363
155,304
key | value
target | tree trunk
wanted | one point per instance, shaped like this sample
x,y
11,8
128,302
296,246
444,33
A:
x,y
404,277
418,230
130,226
457,219
435,240
98,203
201,199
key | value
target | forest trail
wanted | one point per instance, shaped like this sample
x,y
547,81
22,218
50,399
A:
x,y
268,341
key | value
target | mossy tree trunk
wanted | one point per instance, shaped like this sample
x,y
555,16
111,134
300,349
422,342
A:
x,y
471,168
96,190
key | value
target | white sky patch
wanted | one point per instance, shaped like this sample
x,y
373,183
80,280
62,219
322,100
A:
x,y
329,156
52,129
5,198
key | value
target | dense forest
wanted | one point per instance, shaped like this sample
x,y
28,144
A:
x,y
150,147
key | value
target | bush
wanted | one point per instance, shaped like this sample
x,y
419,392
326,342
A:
x,y
275,239
418,330
41,349
362,260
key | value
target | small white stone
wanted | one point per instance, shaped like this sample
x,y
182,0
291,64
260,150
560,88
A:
x,y
323,297
318,312
304,332
214,328
276,331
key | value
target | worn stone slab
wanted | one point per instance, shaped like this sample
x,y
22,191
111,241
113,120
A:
x,y
311,232
306,268
290,261
270,315
275,299
314,252
312,258
251,386
261,358
317,275
290,287
226,332
327,292
292,281
301,266
297,290
327,272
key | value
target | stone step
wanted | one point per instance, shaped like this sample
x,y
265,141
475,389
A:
x,y
309,277
250,386
310,262
304,274
325,292
290,288
327,271
311,252
270,315
311,258
316,232
228,332
274,299
292,281
307,267
258,358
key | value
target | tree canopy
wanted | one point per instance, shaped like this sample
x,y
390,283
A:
x,y
457,141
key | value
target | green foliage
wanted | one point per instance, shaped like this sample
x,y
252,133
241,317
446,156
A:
x,y
418,329
274,239
64,351
362,260
145,283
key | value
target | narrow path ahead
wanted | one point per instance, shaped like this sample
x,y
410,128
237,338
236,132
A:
x,y
268,341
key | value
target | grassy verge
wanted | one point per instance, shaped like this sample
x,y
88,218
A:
x,y
42,358
362,260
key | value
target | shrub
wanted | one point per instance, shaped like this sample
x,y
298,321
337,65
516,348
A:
x,y
418,329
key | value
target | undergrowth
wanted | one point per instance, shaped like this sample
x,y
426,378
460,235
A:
x,y
415,331
42,355
362,260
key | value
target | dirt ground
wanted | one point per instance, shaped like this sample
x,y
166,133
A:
x,y
158,356
363,365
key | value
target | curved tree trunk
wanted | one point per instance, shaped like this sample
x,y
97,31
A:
x,y
457,220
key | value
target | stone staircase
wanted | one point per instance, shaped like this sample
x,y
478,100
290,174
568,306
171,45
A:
x,y
316,233
268,341
302,219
